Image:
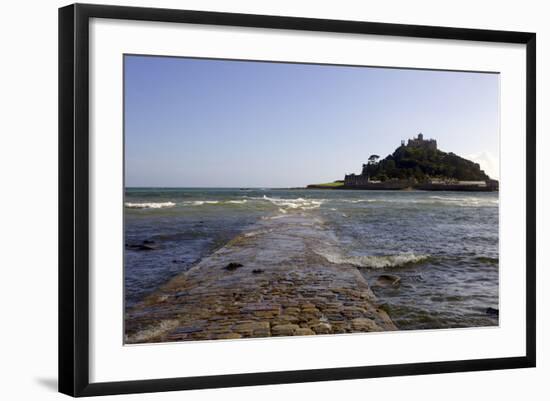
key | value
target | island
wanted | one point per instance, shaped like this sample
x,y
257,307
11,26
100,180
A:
x,y
417,164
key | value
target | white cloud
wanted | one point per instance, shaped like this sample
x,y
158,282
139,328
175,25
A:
x,y
487,162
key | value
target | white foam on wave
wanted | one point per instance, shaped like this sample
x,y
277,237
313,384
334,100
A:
x,y
214,202
278,216
358,200
201,202
463,201
149,205
371,261
469,201
298,203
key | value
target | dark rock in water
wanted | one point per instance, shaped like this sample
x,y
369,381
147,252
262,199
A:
x,y
145,247
233,266
257,271
140,247
491,311
388,280
148,241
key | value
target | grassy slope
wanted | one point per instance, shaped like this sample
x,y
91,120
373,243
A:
x,y
330,185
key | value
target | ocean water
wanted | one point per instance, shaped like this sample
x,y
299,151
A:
x,y
443,246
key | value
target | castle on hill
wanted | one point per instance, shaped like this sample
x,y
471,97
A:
x,y
419,164
420,142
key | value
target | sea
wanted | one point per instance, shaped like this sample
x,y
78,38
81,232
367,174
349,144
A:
x,y
442,246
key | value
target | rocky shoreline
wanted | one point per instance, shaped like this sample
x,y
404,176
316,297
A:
x,y
418,165
269,281
408,186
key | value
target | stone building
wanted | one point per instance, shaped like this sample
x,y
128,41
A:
x,y
364,181
352,180
420,142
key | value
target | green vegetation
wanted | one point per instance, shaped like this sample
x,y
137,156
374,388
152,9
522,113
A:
x,y
334,185
421,163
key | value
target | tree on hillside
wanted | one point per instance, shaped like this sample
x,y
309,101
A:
x,y
408,162
373,159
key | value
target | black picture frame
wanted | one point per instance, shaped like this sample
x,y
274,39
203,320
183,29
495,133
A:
x,y
74,198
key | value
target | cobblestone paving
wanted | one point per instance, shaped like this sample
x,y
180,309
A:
x,y
278,286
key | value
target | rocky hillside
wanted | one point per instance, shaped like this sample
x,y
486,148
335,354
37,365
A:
x,y
423,163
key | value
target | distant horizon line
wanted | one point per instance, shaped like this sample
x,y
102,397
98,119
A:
x,y
220,187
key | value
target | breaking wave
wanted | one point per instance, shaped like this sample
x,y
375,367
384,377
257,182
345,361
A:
x,y
371,261
238,202
149,205
463,201
215,202
201,202
289,204
160,205
470,201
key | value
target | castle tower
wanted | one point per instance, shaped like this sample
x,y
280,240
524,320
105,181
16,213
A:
x,y
420,136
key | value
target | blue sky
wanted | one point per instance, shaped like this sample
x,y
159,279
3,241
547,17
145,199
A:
x,y
217,123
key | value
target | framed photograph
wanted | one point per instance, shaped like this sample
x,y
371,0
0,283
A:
x,y
251,199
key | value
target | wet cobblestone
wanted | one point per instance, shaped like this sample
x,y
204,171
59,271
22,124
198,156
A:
x,y
297,293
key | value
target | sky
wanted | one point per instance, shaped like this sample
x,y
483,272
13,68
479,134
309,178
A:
x,y
222,123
